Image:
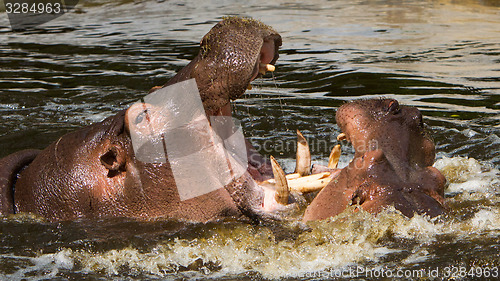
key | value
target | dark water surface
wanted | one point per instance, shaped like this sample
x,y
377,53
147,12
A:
x,y
441,56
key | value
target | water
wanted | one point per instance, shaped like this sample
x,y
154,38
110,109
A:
x,y
441,56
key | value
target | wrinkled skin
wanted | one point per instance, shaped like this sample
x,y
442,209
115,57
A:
x,y
391,165
93,172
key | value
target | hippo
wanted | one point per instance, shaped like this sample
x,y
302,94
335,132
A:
x,y
392,164
94,173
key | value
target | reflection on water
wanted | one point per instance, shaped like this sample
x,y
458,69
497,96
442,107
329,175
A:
x,y
441,56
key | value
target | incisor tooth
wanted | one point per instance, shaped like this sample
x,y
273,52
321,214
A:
x,y
281,186
263,67
270,67
292,176
310,183
303,157
333,160
288,177
305,184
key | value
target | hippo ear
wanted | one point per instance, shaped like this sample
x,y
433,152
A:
x,y
114,160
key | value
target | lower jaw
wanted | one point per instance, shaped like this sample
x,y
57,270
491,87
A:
x,y
269,204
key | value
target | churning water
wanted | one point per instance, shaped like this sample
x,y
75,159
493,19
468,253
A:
x,y
439,55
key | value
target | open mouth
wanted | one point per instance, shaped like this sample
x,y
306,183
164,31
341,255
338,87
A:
x,y
303,180
259,71
265,61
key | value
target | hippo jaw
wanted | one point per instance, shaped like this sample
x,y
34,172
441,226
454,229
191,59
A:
x,y
235,52
391,165
396,130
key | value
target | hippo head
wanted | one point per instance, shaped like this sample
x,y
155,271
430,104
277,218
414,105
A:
x,y
391,165
396,131
232,54
94,172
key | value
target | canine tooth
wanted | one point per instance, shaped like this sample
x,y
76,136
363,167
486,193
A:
x,y
341,137
281,186
333,160
263,67
303,158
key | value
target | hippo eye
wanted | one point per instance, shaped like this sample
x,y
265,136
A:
x,y
140,117
393,107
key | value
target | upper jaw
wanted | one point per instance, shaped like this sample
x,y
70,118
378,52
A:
x,y
230,58
268,55
264,62
259,70
404,159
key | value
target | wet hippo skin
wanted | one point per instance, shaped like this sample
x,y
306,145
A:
x,y
392,164
93,172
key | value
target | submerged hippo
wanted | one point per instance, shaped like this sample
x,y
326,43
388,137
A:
x,y
392,164
94,173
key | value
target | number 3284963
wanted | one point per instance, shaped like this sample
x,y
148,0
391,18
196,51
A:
x,y
33,8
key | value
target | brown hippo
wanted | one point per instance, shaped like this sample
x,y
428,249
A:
x,y
94,173
391,165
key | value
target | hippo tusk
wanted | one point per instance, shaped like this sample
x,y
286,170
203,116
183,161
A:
x,y
293,176
341,137
304,184
263,67
281,184
288,177
303,160
333,160
310,183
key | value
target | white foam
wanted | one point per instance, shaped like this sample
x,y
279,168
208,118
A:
x,y
467,175
47,266
352,238
458,169
486,219
421,255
